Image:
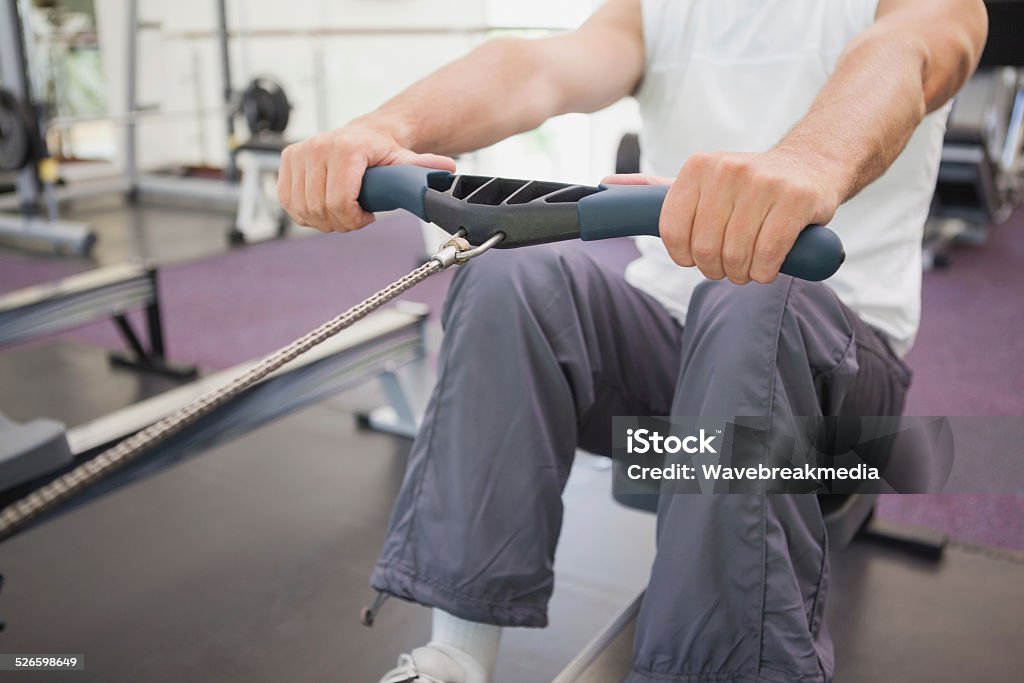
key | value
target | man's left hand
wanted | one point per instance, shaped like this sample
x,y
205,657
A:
x,y
736,215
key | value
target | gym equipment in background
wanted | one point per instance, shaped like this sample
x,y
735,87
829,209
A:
x,y
15,133
262,106
23,149
265,107
266,110
981,175
80,299
35,453
31,450
259,215
526,212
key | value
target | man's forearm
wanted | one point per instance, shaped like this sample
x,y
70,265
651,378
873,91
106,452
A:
x,y
885,83
493,92
863,118
509,86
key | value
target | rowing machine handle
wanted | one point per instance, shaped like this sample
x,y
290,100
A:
x,y
631,210
614,211
386,188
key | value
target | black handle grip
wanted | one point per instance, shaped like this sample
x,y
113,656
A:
x,y
631,210
386,188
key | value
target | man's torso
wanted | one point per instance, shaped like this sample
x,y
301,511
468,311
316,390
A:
x,y
736,75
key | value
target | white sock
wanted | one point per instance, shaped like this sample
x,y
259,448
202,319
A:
x,y
479,641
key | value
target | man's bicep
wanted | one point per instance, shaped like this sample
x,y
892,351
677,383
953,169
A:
x,y
603,60
952,34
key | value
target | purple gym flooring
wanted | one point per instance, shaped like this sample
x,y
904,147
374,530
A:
x,y
250,562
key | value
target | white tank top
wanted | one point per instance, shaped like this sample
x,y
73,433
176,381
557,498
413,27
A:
x,y
736,75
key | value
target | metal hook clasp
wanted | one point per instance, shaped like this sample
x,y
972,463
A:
x,y
457,250
464,256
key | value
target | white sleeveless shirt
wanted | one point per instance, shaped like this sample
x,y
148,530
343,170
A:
x,y
737,75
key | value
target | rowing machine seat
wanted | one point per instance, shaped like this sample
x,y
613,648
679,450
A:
x,y
30,450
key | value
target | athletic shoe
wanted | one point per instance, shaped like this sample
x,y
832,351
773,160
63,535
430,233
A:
x,y
436,664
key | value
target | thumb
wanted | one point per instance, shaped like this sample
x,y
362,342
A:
x,y
437,161
635,179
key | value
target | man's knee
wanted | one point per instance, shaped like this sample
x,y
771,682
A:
x,y
722,305
791,329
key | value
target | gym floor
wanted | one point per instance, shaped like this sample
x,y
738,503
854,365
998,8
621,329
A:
x,y
249,562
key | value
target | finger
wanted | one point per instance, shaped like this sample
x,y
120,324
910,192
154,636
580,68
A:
x,y
714,209
676,223
344,197
316,194
776,237
284,182
407,156
337,196
298,195
635,179
741,232
437,161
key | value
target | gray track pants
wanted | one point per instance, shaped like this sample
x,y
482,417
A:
x,y
543,346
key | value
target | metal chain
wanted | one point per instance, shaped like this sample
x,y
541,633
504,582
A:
x,y
18,513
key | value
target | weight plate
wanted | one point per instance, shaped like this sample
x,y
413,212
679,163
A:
x,y
15,134
265,107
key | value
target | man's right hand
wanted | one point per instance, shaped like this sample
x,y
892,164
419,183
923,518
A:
x,y
319,181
